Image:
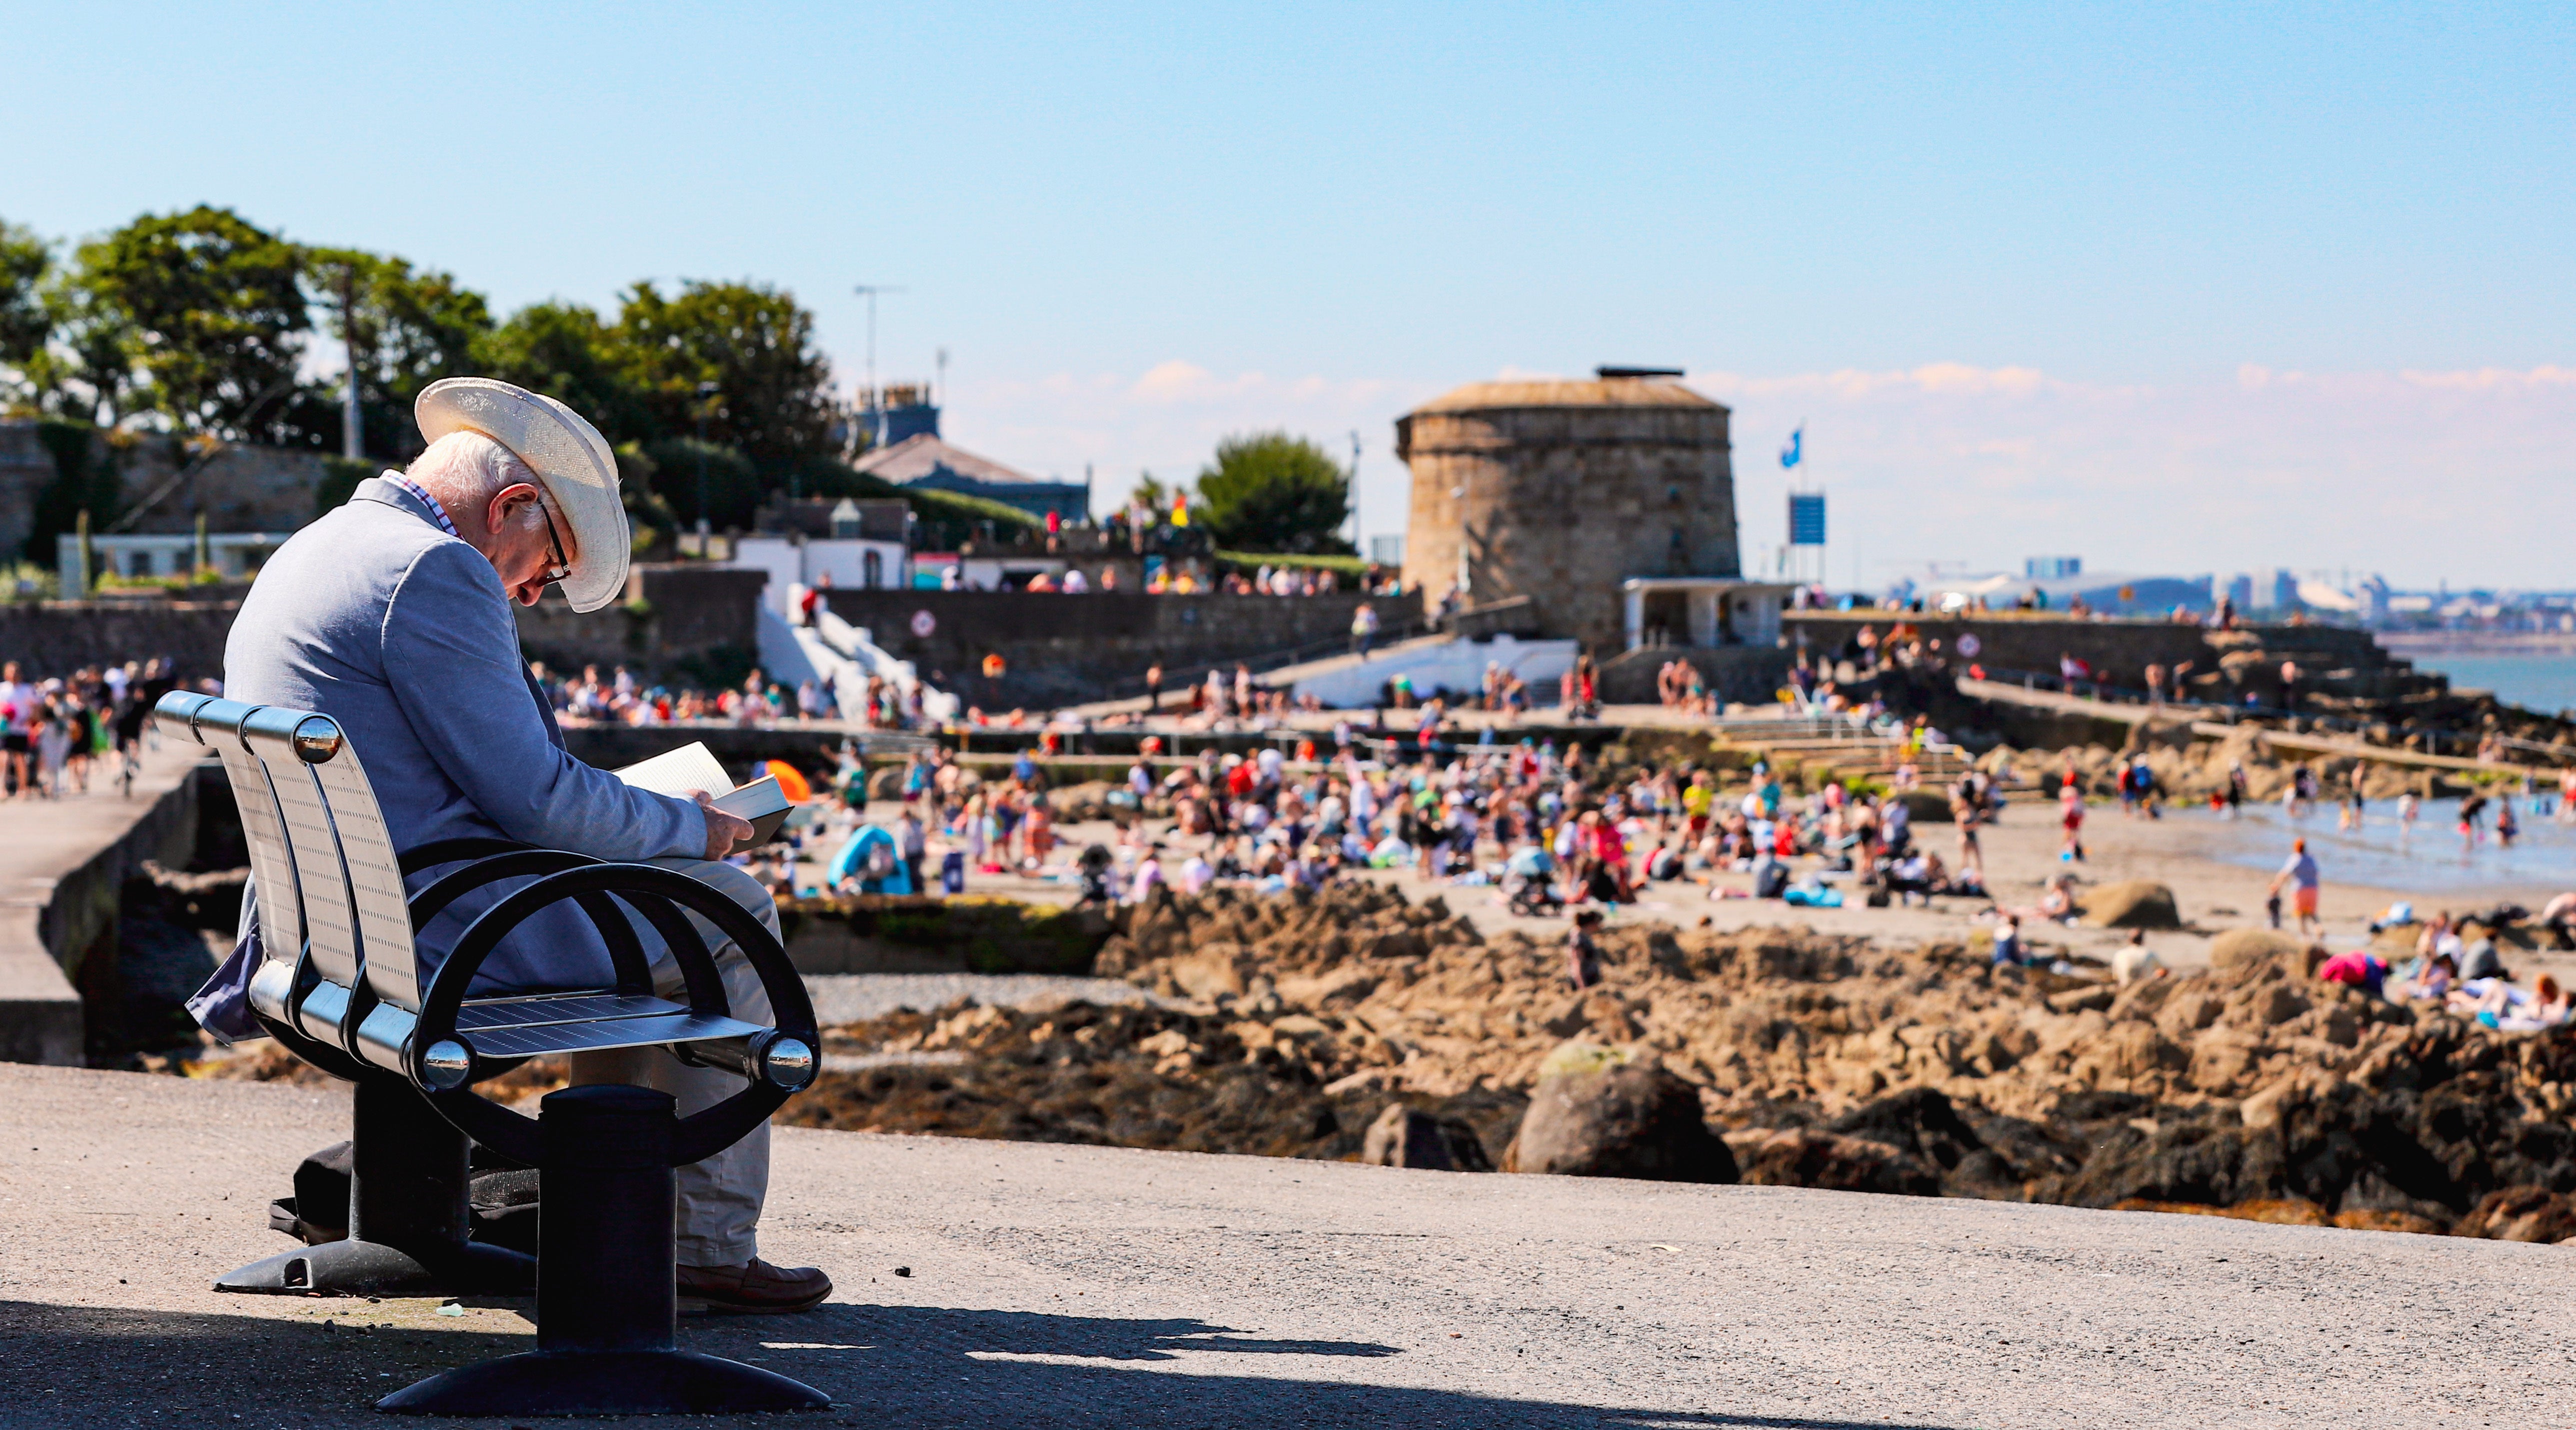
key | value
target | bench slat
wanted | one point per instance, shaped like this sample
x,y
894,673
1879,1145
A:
x,y
683,1027
375,878
546,1009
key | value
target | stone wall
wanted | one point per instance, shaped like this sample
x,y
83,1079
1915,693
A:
x,y
59,637
678,620
26,470
1060,649
240,488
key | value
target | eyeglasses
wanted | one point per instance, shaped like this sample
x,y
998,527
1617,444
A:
x,y
562,566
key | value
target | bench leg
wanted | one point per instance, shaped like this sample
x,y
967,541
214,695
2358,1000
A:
x,y
607,1285
408,1219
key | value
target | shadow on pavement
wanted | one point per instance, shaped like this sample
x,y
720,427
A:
x,y
927,1366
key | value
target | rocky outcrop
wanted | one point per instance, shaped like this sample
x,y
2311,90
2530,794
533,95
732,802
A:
x,y
1618,1119
1820,1060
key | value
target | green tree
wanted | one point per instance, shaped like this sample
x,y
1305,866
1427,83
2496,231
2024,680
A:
x,y
26,317
216,312
412,328
754,343
1273,492
87,373
564,351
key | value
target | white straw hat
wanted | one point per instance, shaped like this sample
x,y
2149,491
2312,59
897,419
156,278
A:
x,y
567,454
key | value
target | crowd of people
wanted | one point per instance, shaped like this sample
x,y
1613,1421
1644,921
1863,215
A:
x,y
619,698
1549,826
59,733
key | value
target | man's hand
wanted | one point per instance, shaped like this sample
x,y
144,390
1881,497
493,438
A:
x,y
725,832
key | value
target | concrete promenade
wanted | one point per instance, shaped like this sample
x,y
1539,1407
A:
x,y
61,864
1085,1287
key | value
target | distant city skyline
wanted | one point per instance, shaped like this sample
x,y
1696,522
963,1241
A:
x,y
2201,290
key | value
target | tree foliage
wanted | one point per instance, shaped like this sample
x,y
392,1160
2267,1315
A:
x,y
755,344
25,318
1269,491
566,352
197,322
212,309
410,329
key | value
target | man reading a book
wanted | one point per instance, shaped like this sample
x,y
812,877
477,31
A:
x,y
392,615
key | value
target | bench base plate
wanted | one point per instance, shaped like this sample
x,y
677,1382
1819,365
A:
x,y
604,1383
368,1268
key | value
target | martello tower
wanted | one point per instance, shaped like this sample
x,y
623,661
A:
x,y
1560,491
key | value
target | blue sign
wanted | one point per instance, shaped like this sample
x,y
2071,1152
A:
x,y
1807,519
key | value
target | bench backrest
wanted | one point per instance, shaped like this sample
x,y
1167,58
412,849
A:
x,y
216,724
317,837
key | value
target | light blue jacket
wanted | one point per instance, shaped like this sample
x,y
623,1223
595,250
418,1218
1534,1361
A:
x,y
375,617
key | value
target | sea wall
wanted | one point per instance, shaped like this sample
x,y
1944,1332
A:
x,y
2010,643
1061,649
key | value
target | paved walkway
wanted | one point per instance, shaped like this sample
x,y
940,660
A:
x,y
1087,1287
56,896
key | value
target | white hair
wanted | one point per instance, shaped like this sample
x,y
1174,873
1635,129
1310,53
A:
x,y
465,470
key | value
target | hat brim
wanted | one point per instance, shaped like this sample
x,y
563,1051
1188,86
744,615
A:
x,y
570,458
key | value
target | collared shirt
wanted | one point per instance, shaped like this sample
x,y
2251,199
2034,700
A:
x,y
437,509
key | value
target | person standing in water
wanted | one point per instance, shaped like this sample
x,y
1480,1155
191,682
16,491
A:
x,y
2301,874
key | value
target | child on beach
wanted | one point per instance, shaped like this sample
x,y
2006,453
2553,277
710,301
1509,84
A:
x,y
2070,815
1582,955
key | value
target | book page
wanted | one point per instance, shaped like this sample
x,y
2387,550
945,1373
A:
x,y
680,773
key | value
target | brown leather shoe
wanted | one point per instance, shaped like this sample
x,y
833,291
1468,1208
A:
x,y
754,1288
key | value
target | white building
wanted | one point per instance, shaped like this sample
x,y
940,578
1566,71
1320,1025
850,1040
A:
x,y
234,554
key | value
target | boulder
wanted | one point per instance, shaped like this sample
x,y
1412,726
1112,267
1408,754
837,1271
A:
x,y
1805,1157
2238,954
1408,1137
2131,904
1617,1119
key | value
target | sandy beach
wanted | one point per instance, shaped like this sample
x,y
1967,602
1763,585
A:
x,y
2216,868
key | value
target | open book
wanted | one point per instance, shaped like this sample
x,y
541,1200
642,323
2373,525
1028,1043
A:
x,y
683,772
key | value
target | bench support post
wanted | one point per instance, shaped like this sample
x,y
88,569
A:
x,y
607,1285
408,1219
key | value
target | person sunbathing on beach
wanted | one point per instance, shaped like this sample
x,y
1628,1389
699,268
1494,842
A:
x,y
2433,984
2057,905
2502,1006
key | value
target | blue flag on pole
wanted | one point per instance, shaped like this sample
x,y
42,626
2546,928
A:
x,y
1789,455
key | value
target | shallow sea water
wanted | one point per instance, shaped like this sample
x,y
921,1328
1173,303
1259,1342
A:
x,y
2430,858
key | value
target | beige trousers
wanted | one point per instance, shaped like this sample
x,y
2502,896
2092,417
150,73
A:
x,y
720,1198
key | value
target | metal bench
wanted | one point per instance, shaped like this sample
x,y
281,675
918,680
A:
x,y
339,986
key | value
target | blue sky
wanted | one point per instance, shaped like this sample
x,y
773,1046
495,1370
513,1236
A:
x,y
2179,287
